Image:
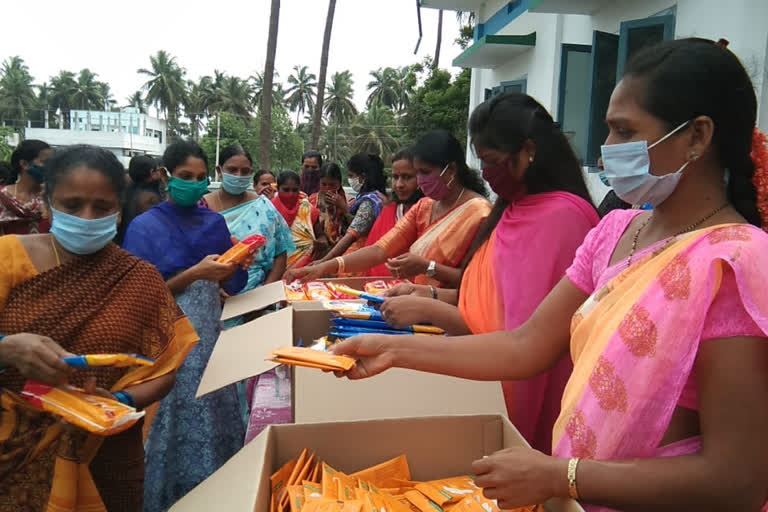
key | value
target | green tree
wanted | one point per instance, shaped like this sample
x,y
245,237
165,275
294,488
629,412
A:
x,y
107,98
339,105
63,89
317,120
302,90
136,100
384,88
44,103
265,110
5,148
376,131
17,94
166,87
466,28
406,85
440,104
86,94
257,89
232,95
197,101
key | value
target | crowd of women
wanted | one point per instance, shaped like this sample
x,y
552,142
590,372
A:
x,y
631,349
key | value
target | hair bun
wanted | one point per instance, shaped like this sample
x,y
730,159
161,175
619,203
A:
x,y
723,43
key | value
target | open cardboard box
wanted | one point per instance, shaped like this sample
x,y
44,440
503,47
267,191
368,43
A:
x,y
241,352
437,447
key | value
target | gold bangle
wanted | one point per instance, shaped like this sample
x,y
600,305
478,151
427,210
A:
x,y
573,491
340,263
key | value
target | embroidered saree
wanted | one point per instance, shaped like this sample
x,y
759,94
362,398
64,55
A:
x,y
301,220
101,303
446,240
17,218
506,280
635,340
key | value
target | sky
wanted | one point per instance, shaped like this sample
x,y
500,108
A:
x,y
228,35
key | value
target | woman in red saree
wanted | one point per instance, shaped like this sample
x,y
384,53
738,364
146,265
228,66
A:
x,y
664,312
300,215
22,207
520,253
74,291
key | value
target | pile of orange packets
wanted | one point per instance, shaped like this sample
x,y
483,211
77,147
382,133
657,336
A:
x,y
312,358
319,290
306,484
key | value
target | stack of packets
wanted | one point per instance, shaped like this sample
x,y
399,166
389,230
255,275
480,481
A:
x,y
355,318
312,358
322,291
306,484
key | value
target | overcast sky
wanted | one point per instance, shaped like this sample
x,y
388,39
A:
x,y
228,35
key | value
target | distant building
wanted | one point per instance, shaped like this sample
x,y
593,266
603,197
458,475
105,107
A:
x,y
126,133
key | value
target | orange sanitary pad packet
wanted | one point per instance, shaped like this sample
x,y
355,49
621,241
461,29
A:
x,y
95,414
300,356
241,250
317,291
391,473
294,292
376,287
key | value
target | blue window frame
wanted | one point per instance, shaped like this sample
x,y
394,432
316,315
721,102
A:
x,y
635,34
572,110
520,86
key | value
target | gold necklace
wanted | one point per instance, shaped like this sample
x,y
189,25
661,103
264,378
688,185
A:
x,y
55,252
685,230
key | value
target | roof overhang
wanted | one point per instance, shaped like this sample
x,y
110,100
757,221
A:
x,y
565,6
491,51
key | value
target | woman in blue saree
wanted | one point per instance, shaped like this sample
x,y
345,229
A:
x,y
189,439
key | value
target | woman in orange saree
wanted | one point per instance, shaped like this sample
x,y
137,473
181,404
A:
x,y
74,291
664,312
430,242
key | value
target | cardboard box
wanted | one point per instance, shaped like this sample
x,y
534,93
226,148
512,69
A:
x,y
436,447
241,352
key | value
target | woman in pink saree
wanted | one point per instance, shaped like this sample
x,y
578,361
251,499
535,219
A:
x,y
665,313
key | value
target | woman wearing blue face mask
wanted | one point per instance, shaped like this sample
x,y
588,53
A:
x,y
189,439
74,292
22,207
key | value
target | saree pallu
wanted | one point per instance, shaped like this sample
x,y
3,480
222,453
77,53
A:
x,y
634,342
506,280
101,303
387,220
363,221
17,218
303,234
333,224
191,438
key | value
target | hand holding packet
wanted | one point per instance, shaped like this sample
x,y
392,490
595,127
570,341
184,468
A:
x,y
241,250
310,358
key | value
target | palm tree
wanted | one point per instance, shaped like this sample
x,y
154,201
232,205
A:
x,y
44,94
265,132
302,91
384,88
63,88
375,132
339,107
87,93
197,102
233,95
136,100
406,86
165,87
318,110
17,95
436,62
105,92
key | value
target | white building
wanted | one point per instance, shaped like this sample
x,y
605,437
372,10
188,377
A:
x,y
568,53
126,133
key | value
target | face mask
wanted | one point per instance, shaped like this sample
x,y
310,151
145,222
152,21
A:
x,y
503,182
187,193
433,186
235,185
37,173
82,236
356,185
627,168
289,199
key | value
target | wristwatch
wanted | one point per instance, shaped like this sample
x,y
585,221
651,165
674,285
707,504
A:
x,y
431,269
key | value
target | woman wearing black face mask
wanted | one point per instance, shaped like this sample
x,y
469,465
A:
x,y
22,208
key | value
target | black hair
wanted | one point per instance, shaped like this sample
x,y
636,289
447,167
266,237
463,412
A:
x,y
440,148
28,150
131,206
178,152
67,159
260,173
371,168
233,150
313,154
687,78
331,170
288,176
6,174
140,168
504,123
406,153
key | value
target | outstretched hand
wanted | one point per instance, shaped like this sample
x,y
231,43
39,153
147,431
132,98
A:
x,y
373,354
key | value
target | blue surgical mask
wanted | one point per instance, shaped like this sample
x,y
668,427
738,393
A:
x,y
82,236
628,170
235,185
37,173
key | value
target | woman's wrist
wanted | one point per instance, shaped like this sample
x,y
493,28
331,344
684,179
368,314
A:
x,y
557,475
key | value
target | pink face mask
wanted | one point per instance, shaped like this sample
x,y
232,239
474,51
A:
x,y
433,186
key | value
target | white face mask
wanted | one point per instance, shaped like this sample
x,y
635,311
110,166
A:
x,y
356,184
627,169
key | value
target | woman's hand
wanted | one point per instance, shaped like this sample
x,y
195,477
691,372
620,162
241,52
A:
x,y
406,310
211,270
372,354
409,289
407,265
91,388
248,261
36,357
519,477
308,273
340,202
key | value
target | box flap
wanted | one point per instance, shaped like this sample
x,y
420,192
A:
x,y
240,352
253,300
237,484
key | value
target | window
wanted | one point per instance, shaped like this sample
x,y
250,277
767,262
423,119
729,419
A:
x,y
572,110
510,86
609,57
